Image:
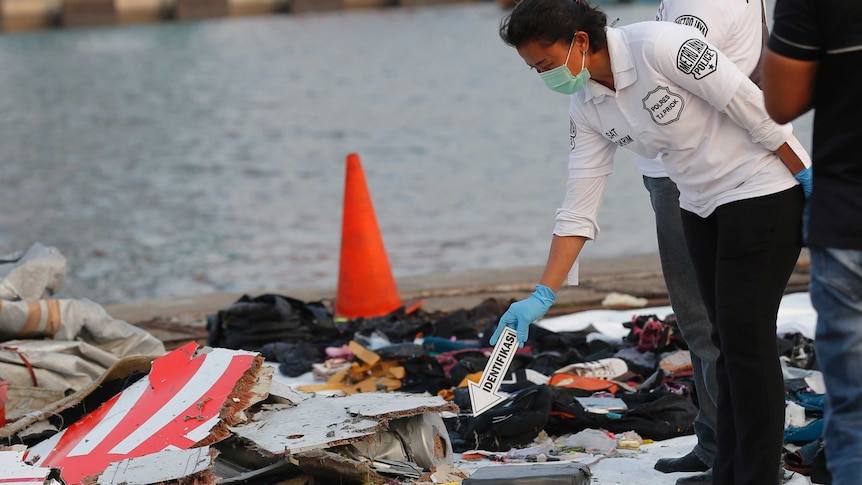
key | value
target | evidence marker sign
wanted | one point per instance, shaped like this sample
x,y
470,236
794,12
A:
x,y
484,396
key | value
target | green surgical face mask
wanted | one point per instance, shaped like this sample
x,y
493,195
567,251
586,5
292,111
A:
x,y
561,79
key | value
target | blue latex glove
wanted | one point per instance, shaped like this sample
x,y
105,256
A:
x,y
522,313
804,178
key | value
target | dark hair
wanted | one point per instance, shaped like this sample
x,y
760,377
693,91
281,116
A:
x,y
552,21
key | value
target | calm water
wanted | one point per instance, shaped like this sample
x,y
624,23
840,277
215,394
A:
x,y
179,159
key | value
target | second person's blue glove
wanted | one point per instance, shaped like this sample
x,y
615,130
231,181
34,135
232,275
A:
x,y
804,178
522,313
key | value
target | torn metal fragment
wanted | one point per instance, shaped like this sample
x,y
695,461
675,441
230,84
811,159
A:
x,y
318,422
193,466
184,402
14,471
322,463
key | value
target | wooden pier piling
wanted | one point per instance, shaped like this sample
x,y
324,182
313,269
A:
x,y
140,11
200,9
21,15
86,13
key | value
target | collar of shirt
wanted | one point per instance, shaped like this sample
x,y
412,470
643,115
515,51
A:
x,y
622,66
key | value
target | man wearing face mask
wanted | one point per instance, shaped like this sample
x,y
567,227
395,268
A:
x,y
661,89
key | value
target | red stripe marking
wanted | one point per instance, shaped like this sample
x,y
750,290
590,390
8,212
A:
x,y
167,377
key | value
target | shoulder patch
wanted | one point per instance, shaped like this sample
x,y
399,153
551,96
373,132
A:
x,y
697,58
663,105
693,21
573,133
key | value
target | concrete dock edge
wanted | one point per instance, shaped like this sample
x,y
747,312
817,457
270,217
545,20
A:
x,y
638,276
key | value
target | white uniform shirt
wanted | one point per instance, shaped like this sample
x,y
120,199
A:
x,y
735,27
671,88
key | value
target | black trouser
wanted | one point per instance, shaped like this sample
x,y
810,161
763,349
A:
x,y
743,254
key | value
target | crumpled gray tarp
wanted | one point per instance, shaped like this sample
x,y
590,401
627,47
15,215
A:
x,y
64,343
33,274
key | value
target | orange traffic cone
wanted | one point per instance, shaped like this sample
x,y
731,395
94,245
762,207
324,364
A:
x,y
366,287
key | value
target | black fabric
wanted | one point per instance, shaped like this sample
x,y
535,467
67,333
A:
x,y
512,423
295,358
646,395
809,460
468,363
799,349
668,416
456,324
516,380
567,414
819,473
461,398
543,340
424,374
548,362
396,326
250,323
402,351
468,324
641,372
461,324
599,349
